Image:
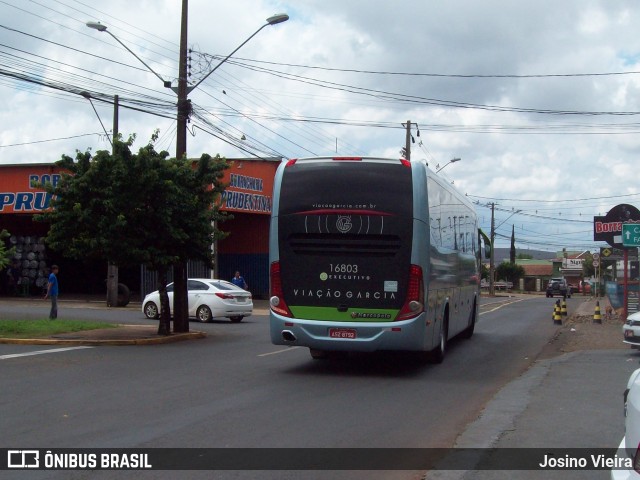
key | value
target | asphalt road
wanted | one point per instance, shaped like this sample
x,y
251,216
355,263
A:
x,y
235,389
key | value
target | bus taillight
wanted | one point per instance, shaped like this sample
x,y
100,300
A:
x,y
414,303
276,300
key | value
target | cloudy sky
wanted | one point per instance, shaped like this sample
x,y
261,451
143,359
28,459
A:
x,y
539,99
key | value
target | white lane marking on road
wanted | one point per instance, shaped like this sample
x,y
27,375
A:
x,y
288,349
40,352
504,304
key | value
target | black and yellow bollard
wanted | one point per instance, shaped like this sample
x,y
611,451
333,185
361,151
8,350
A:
x,y
557,315
597,317
563,309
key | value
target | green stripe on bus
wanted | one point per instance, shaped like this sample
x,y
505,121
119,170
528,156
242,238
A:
x,y
351,315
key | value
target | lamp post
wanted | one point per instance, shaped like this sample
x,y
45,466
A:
x,y
103,28
180,314
492,290
112,269
453,160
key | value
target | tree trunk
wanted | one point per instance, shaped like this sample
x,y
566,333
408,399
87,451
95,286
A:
x,y
180,298
164,326
112,285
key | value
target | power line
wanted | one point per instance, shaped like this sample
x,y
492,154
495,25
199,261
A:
x,y
415,99
553,201
51,140
439,75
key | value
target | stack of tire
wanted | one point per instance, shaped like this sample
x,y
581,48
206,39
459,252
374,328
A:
x,y
31,254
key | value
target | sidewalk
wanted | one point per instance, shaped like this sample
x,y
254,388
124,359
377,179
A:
x,y
570,398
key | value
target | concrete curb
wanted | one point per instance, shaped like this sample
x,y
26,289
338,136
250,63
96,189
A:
x,y
137,338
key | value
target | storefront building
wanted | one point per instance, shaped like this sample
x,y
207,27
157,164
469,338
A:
x,y
248,198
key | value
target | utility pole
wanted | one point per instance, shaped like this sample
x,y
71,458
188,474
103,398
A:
x,y
112,269
492,290
180,312
407,142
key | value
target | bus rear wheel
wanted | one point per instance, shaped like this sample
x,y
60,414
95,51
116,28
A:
x,y
437,354
468,332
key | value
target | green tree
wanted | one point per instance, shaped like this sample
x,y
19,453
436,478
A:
x,y
512,250
131,209
5,253
484,271
510,272
588,270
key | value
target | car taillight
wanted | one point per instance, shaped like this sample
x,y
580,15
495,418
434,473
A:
x,y
414,302
276,299
225,296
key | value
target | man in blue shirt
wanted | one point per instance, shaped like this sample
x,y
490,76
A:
x,y
52,292
238,280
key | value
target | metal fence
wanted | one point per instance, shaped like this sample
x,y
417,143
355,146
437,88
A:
x,y
149,278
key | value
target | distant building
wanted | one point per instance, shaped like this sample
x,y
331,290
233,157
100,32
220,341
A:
x,y
543,265
536,274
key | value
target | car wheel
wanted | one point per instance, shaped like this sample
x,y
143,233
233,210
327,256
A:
x,y
203,314
151,311
237,319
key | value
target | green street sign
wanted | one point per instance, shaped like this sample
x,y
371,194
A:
x,y
631,234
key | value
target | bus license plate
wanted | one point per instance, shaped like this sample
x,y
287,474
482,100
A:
x,y
349,333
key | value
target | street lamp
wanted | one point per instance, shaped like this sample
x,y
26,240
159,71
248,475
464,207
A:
x,y
103,28
273,20
87,95
492,290
453,160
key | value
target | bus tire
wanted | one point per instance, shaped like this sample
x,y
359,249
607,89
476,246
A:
x,y
124,295
468,332
318,354
437,354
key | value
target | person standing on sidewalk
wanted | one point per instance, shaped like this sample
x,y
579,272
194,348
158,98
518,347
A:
x,y
238,280
52,292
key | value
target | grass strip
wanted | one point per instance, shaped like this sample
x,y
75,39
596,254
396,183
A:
x,y
45,327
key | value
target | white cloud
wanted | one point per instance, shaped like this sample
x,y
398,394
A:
x,y
512,158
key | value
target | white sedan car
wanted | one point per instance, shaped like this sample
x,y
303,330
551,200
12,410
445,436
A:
x,y
629,449
631,330
208,299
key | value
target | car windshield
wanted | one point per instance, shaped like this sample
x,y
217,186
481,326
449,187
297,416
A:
x,y
202,285
224,285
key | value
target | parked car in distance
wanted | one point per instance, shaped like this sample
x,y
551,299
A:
x,y
631,330
558,286
208,299
629,448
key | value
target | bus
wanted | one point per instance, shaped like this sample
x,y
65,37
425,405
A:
x,y
371,254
